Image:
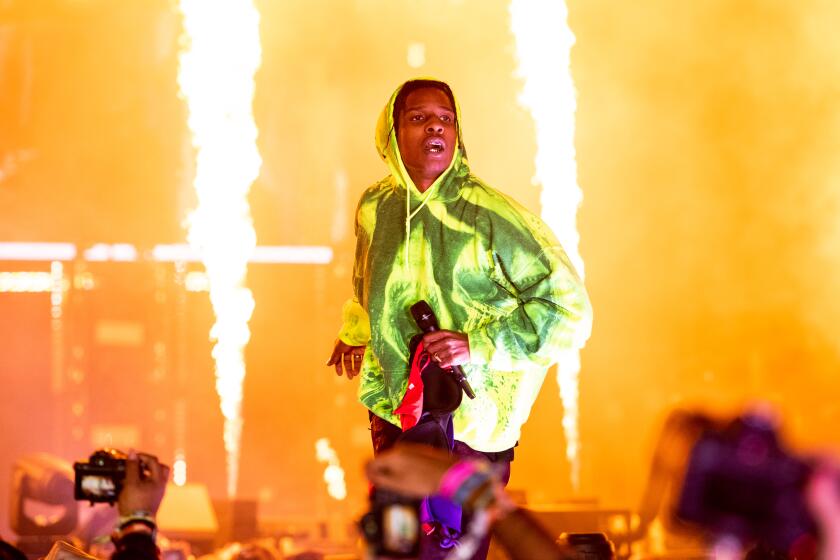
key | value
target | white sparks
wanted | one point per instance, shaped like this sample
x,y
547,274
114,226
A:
x,y
333,474
543,47
179,470
217,66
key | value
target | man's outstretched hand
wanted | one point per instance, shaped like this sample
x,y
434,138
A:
x,y
346,359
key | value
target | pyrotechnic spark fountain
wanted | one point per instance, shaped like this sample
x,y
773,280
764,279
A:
x,y
333,474
179,470
216,76
543,46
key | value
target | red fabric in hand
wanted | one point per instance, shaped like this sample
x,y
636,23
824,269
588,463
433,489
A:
x,y
411,406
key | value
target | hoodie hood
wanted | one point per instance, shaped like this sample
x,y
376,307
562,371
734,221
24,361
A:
x,y
388,149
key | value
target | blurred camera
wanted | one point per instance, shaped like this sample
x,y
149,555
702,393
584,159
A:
x,y
586,546
740,481
392,526
100,479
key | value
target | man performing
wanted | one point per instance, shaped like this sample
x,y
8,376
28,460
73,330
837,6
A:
x,y
506,296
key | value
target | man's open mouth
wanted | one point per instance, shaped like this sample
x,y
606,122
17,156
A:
x,y
434,146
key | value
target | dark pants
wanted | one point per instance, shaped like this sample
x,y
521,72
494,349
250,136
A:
x,y
384,435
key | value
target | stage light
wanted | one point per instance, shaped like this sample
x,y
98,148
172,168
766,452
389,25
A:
x,y
416,56
25,282
84,281
187,513
172,253
37,251
175,253
292,255
57,287
120,252
263,254
42,480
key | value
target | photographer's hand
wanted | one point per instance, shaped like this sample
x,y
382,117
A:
x,y
823,498
409,469
138,502
142,494
418,470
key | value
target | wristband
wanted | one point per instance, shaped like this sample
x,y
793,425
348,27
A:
x,y
458,474
471,488
470,484
135,544
128,523
455,476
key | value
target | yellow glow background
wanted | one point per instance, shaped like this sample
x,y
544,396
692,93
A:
x,y
707,141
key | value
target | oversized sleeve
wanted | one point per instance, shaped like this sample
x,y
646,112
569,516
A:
x,y
547,310
355,324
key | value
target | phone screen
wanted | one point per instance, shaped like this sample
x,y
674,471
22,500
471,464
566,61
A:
x,y
98,486
400,528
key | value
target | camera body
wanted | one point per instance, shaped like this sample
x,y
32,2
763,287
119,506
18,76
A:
x,y
740,481
392,526
100,479
586,546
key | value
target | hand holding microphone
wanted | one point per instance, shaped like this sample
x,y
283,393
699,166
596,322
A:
x,y
449,349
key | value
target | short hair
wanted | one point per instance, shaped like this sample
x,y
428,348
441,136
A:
x,y
414,85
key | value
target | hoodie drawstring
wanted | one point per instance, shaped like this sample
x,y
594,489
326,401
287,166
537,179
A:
x,y
409,215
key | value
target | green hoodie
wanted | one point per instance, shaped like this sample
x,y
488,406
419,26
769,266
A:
x,y
488,268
